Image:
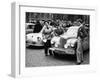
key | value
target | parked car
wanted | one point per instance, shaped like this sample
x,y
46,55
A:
x,y
67,42
34,38
29,28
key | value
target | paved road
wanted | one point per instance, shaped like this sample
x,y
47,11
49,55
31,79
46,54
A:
x,y
36,57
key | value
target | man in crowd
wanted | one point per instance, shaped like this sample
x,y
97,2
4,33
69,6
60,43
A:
x,y
37,27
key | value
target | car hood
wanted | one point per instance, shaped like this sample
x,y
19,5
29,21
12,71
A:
x,y
34,36
71,32
68,38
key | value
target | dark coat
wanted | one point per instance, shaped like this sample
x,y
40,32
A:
x,y
37,28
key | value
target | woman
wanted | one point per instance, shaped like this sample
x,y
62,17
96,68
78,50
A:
x,y
47,34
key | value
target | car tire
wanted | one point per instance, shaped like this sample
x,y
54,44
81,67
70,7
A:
x,y
55,54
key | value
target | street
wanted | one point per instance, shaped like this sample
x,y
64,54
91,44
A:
x,y
35,57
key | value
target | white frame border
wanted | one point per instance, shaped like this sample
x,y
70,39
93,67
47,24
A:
x,y
18,70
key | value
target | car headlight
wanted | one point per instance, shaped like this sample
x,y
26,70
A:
x,y
44,40
65,46
56,45
52,42
72,45
68,45
38,38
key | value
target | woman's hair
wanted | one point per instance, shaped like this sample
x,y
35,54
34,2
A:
x,y
47,22
37,22
79,20
59,31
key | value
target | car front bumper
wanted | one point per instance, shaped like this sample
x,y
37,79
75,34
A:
x,y
63,50
30,43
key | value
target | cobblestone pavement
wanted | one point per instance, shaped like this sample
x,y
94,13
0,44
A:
x,y
35,57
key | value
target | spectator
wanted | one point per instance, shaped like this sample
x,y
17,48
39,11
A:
x,y
47,30
59,30
37,27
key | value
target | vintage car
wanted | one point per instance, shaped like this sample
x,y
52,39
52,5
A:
x,y
34,39
67,42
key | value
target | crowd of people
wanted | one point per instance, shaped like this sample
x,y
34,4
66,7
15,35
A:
x,y
57,24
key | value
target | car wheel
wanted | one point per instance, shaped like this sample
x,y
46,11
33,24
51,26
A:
x,y
55,54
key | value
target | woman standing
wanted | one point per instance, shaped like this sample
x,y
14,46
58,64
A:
x,y
47,35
